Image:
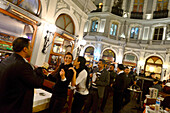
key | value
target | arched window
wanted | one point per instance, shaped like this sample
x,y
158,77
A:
x,y
130,60
32,6
88,54
162,5
113,29
158,33
66,23
153,64
94,26
138,6
134,33
109,56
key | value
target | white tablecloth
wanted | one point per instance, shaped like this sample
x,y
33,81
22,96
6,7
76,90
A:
x,y
41,99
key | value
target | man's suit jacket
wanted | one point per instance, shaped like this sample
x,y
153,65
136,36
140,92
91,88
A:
x,y
120,83
103,81
17,83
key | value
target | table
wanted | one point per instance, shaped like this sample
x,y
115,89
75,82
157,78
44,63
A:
x,y
137,91
149,110
41,100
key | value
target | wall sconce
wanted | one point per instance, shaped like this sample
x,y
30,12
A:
x,y
46,41
81,44
165,67
141,63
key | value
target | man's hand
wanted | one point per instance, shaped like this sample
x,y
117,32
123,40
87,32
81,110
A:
x,y
111,85
45,71
62,74
134,82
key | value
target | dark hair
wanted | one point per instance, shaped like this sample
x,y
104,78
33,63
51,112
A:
x,y
103,61
112,65
126,67
160,82
19,43
7,54
68,53
120,66
82,61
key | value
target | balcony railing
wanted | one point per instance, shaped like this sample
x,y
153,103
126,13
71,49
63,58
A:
x,y
99,8
160,14
136,15
117,11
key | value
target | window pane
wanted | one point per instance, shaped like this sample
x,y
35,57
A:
x,y
115,28
165,6
136,1
135,8
156,31
155,37
136,37
161,31
111,29
136,31
141,1
93,24
132,32
140,8
160,37
159,6
96,25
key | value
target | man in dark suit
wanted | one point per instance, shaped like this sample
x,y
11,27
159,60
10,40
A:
x,y
99,81
129,82
120,83
18,80
109,88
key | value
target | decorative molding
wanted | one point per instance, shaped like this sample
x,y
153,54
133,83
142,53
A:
x,y
77,16
61,4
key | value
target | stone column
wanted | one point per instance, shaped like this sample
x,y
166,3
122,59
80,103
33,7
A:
x,y
154,6
97,51
112,1
151,35
145,8
124,5
131,7
164,35
119,57
169,8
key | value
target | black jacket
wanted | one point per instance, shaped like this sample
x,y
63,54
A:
x,y
61,87
17,83
120,83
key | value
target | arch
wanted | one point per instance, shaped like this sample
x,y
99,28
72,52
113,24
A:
x,y
116,54
87,47
155,55
68,12
153,64
131,52
89,57
64,22
129,62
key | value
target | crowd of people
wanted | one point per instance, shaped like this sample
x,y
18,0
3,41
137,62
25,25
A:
x,y
92,86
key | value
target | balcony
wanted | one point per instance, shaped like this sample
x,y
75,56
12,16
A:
x,y
117,11
160,14
99,9
136,15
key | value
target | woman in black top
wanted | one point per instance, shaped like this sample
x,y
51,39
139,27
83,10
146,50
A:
x,y
63,77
